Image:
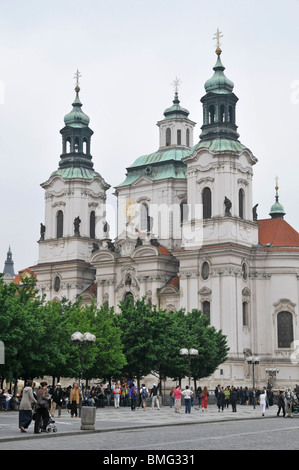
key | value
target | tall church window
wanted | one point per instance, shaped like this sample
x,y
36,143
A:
x,y
68,145
179,136
188,137
92,224
206,308
59,224
168,137
285,335
241,203
207,203
184,211
211,114
144,218
245,313
77,144
222,113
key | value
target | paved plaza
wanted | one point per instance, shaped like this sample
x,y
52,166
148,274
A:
x,y
109,419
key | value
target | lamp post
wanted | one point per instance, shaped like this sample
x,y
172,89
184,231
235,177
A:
x,y
254,360
82,340
189,353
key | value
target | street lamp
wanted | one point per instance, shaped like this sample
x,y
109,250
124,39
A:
x,y
189,353
254,360
82,340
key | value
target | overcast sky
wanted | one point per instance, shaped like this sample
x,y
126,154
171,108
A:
x,y
129,53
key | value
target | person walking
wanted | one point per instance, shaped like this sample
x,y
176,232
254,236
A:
x,y
187,393
133,396
74,399
171,397
220,399
116,395
155,397
143,395
25,409
42,408
280,403
234,399
204,399
263,400
57,399
177,399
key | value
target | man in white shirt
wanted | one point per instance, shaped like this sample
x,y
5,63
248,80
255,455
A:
x,y
187,395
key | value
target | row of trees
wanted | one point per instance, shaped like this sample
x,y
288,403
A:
x,y
133,343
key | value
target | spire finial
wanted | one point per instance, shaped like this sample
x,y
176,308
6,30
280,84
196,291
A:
x,y
276,188
176,83
77,76
217,37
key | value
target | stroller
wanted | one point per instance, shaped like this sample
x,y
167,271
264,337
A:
x,y
50,427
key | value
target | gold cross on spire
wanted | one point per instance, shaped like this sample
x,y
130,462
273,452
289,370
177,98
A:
x,y
77,76
217,37
176,83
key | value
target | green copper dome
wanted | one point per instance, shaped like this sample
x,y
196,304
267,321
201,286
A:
x,y
176,111
219,83
277,209
76,118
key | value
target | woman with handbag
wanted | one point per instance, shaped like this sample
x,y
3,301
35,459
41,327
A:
x,y
42,407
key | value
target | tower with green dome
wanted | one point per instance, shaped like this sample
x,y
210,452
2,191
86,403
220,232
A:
x,y
75,211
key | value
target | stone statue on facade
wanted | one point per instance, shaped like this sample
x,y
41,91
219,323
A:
x,y
77,223
228,206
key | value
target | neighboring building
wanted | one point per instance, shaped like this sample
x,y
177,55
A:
x,y
8,270
188,235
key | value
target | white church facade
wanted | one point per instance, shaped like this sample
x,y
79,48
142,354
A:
x,y
188,235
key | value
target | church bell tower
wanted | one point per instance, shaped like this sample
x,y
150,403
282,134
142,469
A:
x,y
75,205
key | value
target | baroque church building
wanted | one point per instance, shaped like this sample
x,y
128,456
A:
x,y
188,235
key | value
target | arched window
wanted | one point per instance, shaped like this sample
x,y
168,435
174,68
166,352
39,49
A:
x,y
168,137
92,224
222,113
77,144
211,114
285,335
85,146
207,203
188,137
144,218
59,224
129,297
179,136
68,145
241,203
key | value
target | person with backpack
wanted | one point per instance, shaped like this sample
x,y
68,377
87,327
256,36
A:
x,y
143,395
133,395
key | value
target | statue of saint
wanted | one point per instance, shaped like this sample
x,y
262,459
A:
x,y
228,206
77,223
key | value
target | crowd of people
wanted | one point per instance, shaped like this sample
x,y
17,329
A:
x,y
41,405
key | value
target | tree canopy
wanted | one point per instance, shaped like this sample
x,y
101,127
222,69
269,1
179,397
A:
x,y
138,341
